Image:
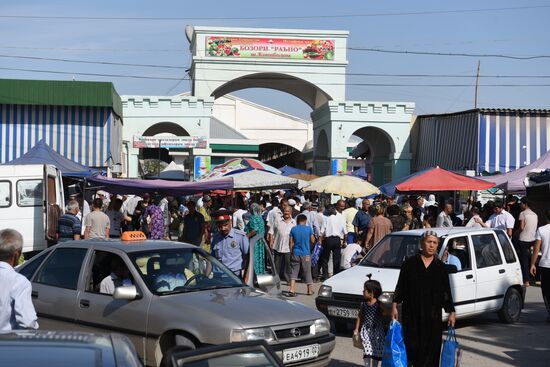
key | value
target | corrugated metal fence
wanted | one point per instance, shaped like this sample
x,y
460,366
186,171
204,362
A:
x,y
87,135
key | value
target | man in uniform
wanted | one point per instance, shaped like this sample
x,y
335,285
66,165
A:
x,y
229,245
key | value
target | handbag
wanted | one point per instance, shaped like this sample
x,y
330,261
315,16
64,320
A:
x,y
451,353
316,253
395,354
357,343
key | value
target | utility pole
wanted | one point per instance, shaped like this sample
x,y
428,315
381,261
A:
x,y
477,84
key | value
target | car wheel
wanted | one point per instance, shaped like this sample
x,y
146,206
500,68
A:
x,y
511,307
180,342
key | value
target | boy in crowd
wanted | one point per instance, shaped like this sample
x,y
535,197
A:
x,y
301,238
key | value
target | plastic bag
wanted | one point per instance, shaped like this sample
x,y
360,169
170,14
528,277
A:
x,y
316,253
357,343
451,353
395,354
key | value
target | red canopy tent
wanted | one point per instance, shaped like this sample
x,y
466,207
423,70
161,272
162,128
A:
x,y
439,179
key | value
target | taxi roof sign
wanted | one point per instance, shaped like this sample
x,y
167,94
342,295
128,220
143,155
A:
x,y
133,236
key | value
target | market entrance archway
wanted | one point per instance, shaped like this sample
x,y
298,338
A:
x,y
308,64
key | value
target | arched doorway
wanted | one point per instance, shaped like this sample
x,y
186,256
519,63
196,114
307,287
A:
x,y
278,155
374,150
311,94
153,160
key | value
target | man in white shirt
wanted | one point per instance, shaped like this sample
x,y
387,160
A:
x,y
542,244
120,276
444,218
528,222
500,219
279,241
17,311
334,234
350,255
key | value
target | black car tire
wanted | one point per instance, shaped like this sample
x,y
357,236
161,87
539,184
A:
x,y
180,342
511,307
340,327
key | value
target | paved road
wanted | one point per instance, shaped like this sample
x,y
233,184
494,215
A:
x,y
486,341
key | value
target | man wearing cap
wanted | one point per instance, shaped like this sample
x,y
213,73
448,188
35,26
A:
x,y
229,245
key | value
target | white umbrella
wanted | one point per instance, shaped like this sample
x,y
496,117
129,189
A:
x,y
347,186
260,180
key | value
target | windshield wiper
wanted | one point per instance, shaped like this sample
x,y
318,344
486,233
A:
x,y
220,286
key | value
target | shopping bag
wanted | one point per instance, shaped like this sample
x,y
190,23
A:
x,y
316,253
357,343
395,354
451,353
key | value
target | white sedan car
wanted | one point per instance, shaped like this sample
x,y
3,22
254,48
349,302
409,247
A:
x,y
487,276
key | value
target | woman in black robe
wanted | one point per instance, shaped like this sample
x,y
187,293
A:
x,y
423,288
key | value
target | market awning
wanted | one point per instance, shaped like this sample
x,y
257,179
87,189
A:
x,y
42,153
259,180
435,179
513,181
163,187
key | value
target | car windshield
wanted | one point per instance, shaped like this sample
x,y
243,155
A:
x,y
182,270
392,251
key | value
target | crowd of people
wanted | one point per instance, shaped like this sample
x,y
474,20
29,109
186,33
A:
x,y
345,230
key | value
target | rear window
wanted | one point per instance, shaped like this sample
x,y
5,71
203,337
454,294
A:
x,y
50,356
507,249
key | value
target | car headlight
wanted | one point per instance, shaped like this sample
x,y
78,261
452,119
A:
x,y
325,291
241,335
386,297
320,326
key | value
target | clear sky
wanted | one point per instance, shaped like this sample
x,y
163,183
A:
x,y
517,32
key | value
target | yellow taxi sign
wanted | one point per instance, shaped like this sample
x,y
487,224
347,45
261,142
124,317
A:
x,y
133,236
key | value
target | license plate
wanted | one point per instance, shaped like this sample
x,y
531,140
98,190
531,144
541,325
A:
x,y
349,313
300,354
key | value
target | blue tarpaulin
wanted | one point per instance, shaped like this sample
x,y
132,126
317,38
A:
x,y
288,170
42,153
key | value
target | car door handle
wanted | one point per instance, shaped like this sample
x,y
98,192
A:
x,y
84,303
501,271
469,276
34,294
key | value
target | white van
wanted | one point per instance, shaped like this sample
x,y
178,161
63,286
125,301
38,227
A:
x,y
487,279
31,201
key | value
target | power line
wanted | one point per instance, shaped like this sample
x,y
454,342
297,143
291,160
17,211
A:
x,y
285,79
449,54
281,71
92,62
310,16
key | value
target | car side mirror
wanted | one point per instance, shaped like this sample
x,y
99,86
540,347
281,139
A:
x,y
265,281
127,292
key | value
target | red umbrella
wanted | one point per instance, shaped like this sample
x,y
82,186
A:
x,y
438,179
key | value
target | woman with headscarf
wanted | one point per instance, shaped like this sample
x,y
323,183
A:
x,y
254,227
424,289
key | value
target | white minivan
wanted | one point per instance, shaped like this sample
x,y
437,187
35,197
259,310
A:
x,y
31,201
487,277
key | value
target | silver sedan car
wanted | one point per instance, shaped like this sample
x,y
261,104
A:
x,y
163,294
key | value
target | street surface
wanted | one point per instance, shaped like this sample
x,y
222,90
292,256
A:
x,y
486,342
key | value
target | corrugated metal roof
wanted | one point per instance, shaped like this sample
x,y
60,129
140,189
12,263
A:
x,y
219,130
493,110
60,93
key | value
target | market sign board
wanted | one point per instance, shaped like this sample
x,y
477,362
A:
x,y
272,48
170,142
